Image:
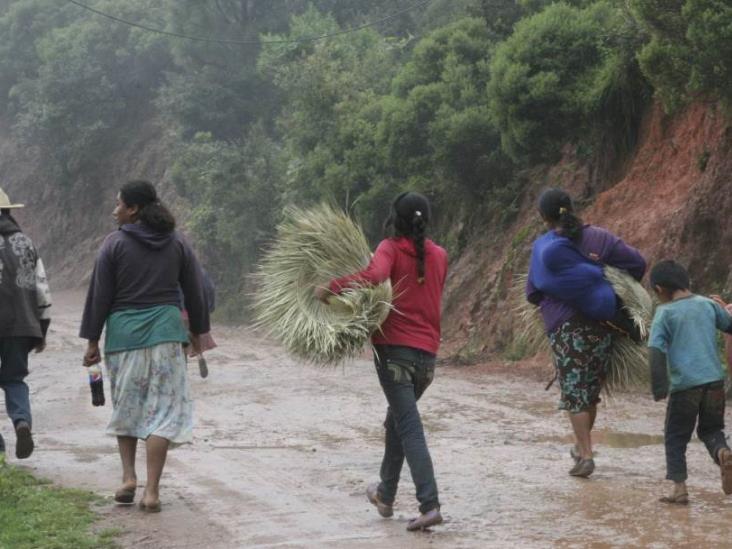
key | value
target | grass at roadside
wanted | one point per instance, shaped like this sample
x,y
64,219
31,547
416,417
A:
x,y
35,514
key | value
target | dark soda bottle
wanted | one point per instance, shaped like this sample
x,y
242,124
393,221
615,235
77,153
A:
x,y
97,385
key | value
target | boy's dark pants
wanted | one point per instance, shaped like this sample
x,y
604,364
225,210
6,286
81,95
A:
x,y
705,402
404,374
13,370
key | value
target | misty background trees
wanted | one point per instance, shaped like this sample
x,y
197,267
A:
x,y
459,99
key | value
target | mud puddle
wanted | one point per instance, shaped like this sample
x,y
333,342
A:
x,y
612,439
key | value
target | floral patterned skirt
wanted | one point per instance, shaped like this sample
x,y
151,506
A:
x,y
582,356
150,393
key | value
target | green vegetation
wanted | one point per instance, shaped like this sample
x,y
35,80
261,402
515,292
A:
x,y
460,100
36,515
689,53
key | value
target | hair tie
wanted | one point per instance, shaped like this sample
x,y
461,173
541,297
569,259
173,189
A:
x,y
563,210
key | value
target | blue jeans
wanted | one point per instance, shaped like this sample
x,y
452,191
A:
x,y
13,370
404,374
705,403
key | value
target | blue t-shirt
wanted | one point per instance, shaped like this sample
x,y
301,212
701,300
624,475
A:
x,y
686,331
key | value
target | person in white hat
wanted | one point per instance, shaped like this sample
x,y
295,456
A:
x,y
24,321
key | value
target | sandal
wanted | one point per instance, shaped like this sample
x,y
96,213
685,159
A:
x,y
125,496
680,499
425,521
583,468
372,494
574,454
149,508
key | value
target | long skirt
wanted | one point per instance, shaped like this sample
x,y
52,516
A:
x,y
150,393
582,356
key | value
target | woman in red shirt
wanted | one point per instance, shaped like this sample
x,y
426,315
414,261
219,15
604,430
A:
x,y
405,349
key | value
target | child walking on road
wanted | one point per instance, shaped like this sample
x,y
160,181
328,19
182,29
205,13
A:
x,y
685,366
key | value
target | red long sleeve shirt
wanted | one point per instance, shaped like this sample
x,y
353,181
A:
x,y
415,319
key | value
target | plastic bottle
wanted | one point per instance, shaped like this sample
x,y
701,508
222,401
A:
x,y
96,383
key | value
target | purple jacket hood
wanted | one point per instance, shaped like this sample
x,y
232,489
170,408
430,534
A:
x,y
144,234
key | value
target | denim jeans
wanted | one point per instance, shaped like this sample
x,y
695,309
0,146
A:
x,y
13,370
404,374
705,402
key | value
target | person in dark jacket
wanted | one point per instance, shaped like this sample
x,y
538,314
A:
x,y
581,343
134,292
25,300
405,349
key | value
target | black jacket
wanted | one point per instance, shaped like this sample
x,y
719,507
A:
x,y
24,295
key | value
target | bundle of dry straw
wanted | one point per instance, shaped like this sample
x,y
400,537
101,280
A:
x,y
312,247
629,360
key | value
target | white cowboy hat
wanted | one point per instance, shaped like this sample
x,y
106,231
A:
x,y
5,202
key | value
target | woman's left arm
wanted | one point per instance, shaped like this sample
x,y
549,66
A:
x,y
191,282
626,257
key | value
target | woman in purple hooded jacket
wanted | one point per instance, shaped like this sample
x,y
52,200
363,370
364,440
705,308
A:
x,y
573,312
134,293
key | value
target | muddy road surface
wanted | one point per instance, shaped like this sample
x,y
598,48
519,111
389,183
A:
x,y
283,453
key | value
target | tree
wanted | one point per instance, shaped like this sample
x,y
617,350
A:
x,y
234,189
561,77
690,50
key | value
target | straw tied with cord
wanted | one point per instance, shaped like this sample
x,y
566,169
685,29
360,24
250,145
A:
x,y
629,360
311,248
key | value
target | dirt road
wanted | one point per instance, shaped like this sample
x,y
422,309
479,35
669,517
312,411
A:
x,y
283,453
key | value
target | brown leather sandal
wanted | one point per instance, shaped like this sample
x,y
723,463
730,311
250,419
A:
x,y
125,496
149,508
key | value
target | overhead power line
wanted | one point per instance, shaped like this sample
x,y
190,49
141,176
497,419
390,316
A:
x,y
249,42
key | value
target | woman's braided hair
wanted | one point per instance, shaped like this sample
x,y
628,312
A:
x,y
410,214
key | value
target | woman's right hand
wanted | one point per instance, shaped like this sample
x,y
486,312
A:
x,y
194,349
92,355
322,294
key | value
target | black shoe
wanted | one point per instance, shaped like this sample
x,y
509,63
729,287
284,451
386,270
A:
x,y
24,441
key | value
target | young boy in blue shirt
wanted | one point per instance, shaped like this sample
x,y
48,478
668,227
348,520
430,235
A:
x,y
685,366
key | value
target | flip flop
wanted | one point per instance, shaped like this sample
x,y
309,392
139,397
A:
x,y
725,466
154,508
125,496
681,499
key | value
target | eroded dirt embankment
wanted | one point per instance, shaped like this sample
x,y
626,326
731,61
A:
x,y
675,200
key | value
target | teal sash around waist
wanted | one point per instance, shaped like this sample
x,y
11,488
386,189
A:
x,y
139,328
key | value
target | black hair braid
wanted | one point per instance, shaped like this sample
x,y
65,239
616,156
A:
x,y
419,229
410,215
570,225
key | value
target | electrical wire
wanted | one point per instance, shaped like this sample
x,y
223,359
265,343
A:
x,y
249,42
